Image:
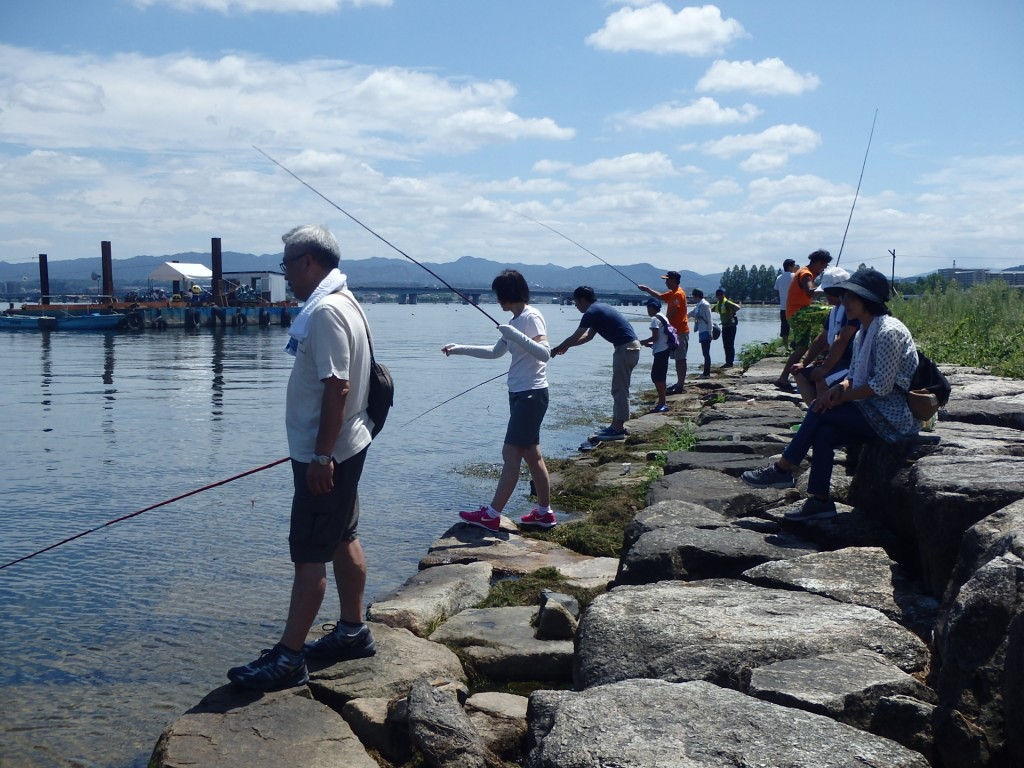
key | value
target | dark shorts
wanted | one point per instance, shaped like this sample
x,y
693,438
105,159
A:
x,y
659,369
320,523
526,412
783,324
679,353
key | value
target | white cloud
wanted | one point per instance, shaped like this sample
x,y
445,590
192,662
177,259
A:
x,y
805,185
256,6
723,188
633,165
702,111
769,149
550,166
768,76
657,29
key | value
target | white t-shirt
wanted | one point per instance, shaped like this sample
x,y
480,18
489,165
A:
x,y
335,345
782,283
527,372
662,341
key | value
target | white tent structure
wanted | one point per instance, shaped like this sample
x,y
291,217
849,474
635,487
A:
x,y
186,273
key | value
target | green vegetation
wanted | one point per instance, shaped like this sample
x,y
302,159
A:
x,y
981,326
753,353
526,590
756,284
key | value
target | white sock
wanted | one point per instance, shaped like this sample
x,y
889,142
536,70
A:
x,y
492,512
543,510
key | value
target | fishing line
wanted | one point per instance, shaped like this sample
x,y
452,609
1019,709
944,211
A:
x,y
394,247
493,378
147,509
552,229
863,165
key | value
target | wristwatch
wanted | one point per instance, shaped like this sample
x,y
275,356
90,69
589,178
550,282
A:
x,y
324,460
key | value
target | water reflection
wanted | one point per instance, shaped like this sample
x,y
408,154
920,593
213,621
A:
x,y
107,423
217,384
46,368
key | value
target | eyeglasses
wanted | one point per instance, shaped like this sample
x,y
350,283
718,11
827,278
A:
x,y
285,261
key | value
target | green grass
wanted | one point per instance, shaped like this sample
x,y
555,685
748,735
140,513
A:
x,y
753,353
981,326
526,590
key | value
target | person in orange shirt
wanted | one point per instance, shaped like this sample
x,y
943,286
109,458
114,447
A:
x,y
801,294
675,311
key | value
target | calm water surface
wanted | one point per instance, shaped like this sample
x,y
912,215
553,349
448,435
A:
x,y
106,640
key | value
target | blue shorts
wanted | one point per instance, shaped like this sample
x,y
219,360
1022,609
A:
x,y
526,412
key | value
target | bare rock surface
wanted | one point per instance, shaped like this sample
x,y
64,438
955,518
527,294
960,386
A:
x,y
966,439
997,534
995,413
644,425
718,630
590,572
235,728
735,431
730,463
431,595
500,719
766,370
851,526
500,643
779,413
766,447
624,724
907,721
368,719
971,386
858,575
401,658
443,732
509,553
843,686
716,491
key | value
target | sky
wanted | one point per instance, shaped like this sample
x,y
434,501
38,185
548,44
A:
x,y
687,136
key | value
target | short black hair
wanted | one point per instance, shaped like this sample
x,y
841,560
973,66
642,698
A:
x,y
586,293
788,263
698,292
820,255
511,286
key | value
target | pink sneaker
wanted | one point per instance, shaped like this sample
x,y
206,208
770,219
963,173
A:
x,y
546,520
481,518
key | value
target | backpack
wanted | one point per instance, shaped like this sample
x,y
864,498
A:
x,y
670,333
929,389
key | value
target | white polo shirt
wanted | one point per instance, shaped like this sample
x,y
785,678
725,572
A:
x,y
782,283
335,345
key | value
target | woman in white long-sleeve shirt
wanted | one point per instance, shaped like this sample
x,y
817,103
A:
x,y
525,336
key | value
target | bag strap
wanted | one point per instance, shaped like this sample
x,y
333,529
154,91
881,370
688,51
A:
x,y
366,324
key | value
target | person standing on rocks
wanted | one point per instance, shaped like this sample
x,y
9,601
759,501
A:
x,y
869,404
782,283
727,309
328,436
660,342
799,297
600,319
675,313
526,337
701,314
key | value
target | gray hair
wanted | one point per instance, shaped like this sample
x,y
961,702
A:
x,y
314,239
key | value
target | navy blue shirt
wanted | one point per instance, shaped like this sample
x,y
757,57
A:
x,y
608,323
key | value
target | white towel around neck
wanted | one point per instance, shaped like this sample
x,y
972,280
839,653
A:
x,y
333,282
863,347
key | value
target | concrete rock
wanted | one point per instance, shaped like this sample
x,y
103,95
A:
x,y
500,719
590,572
970,386
988,412
972,645
555,622
509,553
734,464
500,643
907,721
843,686
858,575
735,431
432,595
764,448
962,439
999,533
716,491
717,630
368,719
624,724
781,414
851,527
644,425
401,658
234,728
443,732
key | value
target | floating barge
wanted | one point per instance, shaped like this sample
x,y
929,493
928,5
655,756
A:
x,y
151,315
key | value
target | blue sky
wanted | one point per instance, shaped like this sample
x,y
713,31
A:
x,y
688,136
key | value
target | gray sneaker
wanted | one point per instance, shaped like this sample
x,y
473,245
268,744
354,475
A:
x,y
275,669
812,509
336,645
768,477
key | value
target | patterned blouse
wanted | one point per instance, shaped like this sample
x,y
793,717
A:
x,y
894,363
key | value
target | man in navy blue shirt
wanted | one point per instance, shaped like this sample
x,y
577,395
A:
x,y
599,319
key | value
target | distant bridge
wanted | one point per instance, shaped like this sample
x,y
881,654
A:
x,y
409,295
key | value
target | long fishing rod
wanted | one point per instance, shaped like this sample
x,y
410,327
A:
x,y
857,193
493,378
139,512
552,229
391,245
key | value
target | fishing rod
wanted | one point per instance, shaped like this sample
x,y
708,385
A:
x,y
139,512
394,247
493,378
863,165
552,229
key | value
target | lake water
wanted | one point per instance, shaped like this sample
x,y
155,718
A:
x,y
107,639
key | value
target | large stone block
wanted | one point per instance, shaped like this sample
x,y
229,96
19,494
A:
x,y
431,595
716,491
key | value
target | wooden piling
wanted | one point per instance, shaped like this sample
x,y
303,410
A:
x,y
218,272
107,292
44,280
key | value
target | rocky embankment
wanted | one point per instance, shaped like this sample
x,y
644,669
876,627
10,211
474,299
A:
x,y
891,635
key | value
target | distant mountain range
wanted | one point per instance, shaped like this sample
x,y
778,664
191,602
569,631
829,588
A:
x,y
467,272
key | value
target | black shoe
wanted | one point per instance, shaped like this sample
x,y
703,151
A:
x,y
813,509
768,477
336,645
276,668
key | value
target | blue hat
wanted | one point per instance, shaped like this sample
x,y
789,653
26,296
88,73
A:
x,y
653,304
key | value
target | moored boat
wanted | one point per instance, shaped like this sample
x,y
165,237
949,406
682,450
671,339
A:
x,y
27,322
93,322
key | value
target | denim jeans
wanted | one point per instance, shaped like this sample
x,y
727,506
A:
x,y
823,432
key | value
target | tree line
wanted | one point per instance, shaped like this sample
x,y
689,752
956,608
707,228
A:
x,y
756,284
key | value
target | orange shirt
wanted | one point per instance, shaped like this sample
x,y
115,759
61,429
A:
x,y
675,301
797,298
